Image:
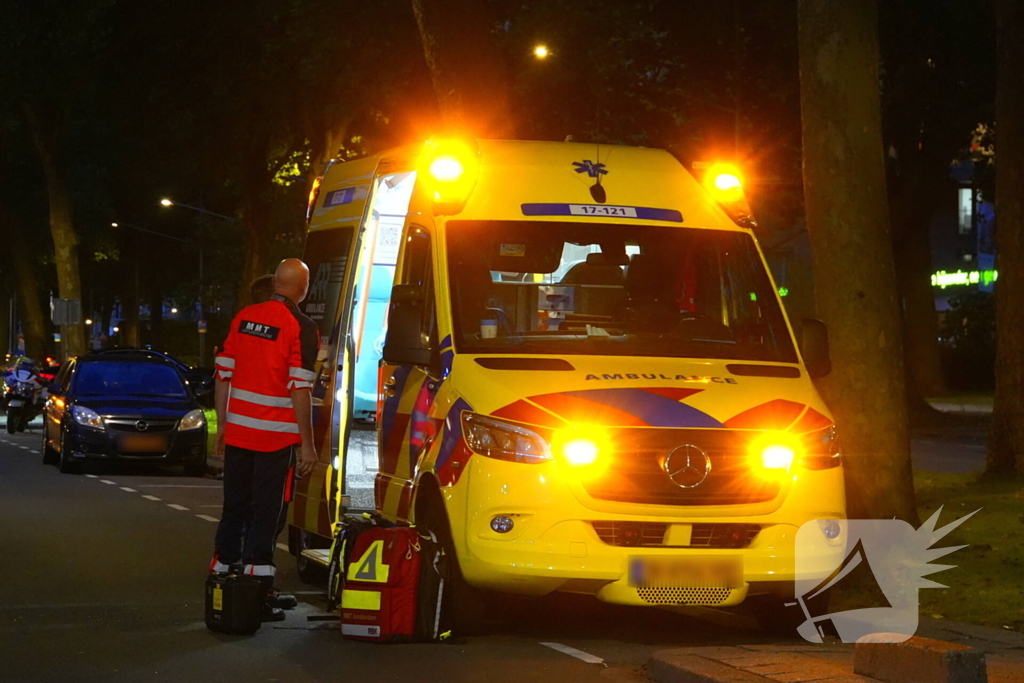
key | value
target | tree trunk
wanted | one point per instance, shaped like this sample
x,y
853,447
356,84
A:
x,y
1006,447
855,280
912,203
326,142
465,67
30,307
45,135
130,296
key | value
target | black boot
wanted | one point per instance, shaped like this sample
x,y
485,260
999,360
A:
x,y
271,613
283,600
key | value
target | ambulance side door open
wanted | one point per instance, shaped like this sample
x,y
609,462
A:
x,y
331,247
409,376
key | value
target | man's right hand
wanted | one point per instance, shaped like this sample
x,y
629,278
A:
x,y
218,448
307,458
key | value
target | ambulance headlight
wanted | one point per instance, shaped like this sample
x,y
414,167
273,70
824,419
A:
x,y
87,417
193,420
772,454
821,450
494,438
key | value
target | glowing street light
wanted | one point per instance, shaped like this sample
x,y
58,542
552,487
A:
x,y
88,321
174,310
117,329
541,52
166,202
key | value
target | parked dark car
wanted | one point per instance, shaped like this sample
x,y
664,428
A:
x,y
124,406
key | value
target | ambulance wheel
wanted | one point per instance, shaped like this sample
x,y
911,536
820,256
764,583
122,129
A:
x,y
50,456
469,604
775,618
309,571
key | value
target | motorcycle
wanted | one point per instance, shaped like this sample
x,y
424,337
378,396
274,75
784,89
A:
x,y
23,405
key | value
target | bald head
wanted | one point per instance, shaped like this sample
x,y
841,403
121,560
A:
x,y
291,279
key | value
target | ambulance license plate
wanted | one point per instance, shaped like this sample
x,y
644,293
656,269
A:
x,y
661,570
142,443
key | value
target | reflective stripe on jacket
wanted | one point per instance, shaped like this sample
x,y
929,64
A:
x,y
270,350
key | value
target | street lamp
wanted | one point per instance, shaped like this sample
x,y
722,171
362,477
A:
x,y
170,202
541,51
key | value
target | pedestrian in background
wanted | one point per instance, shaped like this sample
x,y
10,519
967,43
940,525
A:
x,y
261,289
263,402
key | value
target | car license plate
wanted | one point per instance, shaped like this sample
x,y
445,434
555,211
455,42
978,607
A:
x,y
15,403
662,570
142,443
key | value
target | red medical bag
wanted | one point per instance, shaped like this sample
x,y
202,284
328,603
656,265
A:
x,y
394,587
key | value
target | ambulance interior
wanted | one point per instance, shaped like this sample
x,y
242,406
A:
x,y
581,288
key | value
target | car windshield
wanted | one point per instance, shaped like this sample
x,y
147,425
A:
x,y
111,378
573,288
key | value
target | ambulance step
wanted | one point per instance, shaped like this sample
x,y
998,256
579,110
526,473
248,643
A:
x,y
321,556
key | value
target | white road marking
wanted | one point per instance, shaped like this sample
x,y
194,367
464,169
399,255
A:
x,y
125,488
107,481
573,652
208,518
211,506
91,476
175,486
282,546
176,506
151,498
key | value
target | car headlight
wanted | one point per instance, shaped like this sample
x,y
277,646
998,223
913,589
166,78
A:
x,y
502,440
87,417
193,420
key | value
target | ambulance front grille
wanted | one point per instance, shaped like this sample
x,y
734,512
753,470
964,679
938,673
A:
x,y
652,534
637,474
684,595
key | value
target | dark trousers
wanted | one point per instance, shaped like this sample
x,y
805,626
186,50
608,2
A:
x,y
254,487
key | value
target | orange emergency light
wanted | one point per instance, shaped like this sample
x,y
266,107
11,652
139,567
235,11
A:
x,y
450,167
725,185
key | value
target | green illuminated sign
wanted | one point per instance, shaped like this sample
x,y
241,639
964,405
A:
x,y
960,278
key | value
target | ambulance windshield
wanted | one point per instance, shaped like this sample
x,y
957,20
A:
x,y
572,288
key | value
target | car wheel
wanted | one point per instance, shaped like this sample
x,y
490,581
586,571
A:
x,y
66,463
309,571
196,469
50,456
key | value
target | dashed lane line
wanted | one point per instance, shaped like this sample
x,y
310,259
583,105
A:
x,y
176,486
107,481
176,506
573,652
129,490
152,498
91,476
208,518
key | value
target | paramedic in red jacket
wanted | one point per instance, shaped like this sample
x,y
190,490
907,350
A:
x,y
263,400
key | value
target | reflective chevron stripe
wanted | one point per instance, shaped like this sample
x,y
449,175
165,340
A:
x,y
264,425
261,399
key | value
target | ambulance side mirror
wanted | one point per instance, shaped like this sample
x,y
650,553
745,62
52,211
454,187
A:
x,y
814,348
405,343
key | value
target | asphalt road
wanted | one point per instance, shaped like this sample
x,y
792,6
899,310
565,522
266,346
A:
x,y
102,580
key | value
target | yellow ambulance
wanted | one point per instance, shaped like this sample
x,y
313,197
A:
x,y
570,361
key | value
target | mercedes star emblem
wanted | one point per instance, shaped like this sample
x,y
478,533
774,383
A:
x,y
687,466
142,425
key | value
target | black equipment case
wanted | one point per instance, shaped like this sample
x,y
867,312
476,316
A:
x,y
234,603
